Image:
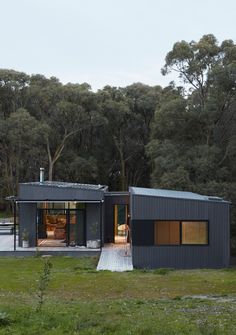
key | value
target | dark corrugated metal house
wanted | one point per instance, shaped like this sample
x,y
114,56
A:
x,y
60,214
178,229
167,228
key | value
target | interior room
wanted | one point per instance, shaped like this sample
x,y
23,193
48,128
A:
x,y
57,224
121,223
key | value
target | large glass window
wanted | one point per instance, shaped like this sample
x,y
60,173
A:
x,y
180,232
167,232
195,232
60,224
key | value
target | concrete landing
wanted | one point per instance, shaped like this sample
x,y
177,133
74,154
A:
x,y
7,250
7,242
115,258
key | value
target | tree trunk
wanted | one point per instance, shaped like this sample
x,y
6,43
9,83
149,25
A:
x,y
119,147
123,177
52,159
50,162
50,170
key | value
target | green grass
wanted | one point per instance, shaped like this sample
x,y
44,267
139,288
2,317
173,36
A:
x,y
80,300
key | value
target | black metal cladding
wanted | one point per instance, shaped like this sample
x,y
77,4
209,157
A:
x,y
142,232
146,209
27,219
57,191
45,192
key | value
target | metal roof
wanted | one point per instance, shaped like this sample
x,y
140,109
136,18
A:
x,y
116,193
62,184
173,194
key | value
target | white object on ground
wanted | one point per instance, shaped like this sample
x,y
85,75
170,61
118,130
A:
x,y
115,258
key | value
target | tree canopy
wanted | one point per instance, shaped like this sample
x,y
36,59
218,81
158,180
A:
x,y
177,137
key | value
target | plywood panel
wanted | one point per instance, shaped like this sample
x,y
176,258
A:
x,y
194,232
174,232
167,232
161,232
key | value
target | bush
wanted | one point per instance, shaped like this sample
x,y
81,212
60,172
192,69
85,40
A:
x,y
163,271
4,319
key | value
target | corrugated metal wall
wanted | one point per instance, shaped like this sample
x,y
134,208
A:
x,y
145,210
27,221
93,225
43,192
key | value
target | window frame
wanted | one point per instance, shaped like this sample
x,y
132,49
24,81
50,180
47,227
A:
x,y
180,232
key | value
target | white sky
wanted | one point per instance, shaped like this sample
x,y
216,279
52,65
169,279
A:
x,y
115,42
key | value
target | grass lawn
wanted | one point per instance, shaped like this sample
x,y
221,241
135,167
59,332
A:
x,y
80,300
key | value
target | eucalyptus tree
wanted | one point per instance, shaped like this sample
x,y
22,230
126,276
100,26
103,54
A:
x,y
193,61
204,120
128,112
169,141
118,135
193,142
13,88
20,135
80,156
143,101
63,109
208,70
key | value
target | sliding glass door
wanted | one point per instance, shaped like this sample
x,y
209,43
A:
x,y
60,226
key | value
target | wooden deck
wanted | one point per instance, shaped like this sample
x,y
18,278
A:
x,y
115,258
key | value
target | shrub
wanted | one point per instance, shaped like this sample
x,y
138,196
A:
x,y
4,319
163,271
43,283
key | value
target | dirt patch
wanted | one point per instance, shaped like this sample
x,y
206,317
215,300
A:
x,y
211,298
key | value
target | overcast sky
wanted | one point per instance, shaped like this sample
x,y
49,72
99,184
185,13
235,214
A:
x,y
115,42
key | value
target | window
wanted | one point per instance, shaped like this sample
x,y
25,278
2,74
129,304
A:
x,y
181,232
195,232
167,232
